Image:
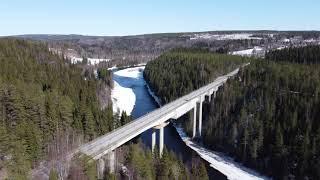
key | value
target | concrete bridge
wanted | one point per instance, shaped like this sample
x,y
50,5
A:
x,y
156,120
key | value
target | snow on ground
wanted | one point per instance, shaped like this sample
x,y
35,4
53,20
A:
x,y
136,65
123,99
94,61
156,98
122,95
75,60
223,36
286,40
135,72
113,68
220,162
91,61
282,47
248,52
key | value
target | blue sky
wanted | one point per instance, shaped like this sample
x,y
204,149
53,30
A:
x,y
128,17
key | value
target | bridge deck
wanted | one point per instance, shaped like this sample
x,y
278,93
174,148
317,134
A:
x,y
110,141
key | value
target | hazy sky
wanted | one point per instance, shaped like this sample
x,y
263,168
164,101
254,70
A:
x,y
127,17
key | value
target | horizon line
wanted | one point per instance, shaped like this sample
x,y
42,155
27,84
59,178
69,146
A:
x,y
154,33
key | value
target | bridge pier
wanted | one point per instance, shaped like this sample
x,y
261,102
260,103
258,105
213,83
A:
x,y
161,137
111,157
106,163
200,116
194,121
101,167
153,141
209,98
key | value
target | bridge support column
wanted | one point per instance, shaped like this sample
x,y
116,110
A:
x,y
161,137
106,163
111,161
101,167
200,116
194,121
209,98
153,143
161,134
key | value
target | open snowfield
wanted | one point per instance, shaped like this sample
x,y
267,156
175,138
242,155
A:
x,y
122,95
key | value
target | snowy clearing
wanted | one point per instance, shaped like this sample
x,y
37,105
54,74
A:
x,y
248,52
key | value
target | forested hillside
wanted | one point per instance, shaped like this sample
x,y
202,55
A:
x,y
267,117
181,71
45,106
302,55
49,106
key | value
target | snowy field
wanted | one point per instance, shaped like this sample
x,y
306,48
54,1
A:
x,y
122,95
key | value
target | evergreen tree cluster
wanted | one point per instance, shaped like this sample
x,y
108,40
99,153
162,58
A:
x,y
303,55
138,162
268,117
181,71
42,97
145,165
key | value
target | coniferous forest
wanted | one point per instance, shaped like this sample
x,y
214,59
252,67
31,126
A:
x,y
180,71
302,55
46,104
267,116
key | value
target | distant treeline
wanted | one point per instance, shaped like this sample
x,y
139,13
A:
x,y
302,55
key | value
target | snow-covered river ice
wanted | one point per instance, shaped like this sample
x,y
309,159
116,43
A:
x,y
131,94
